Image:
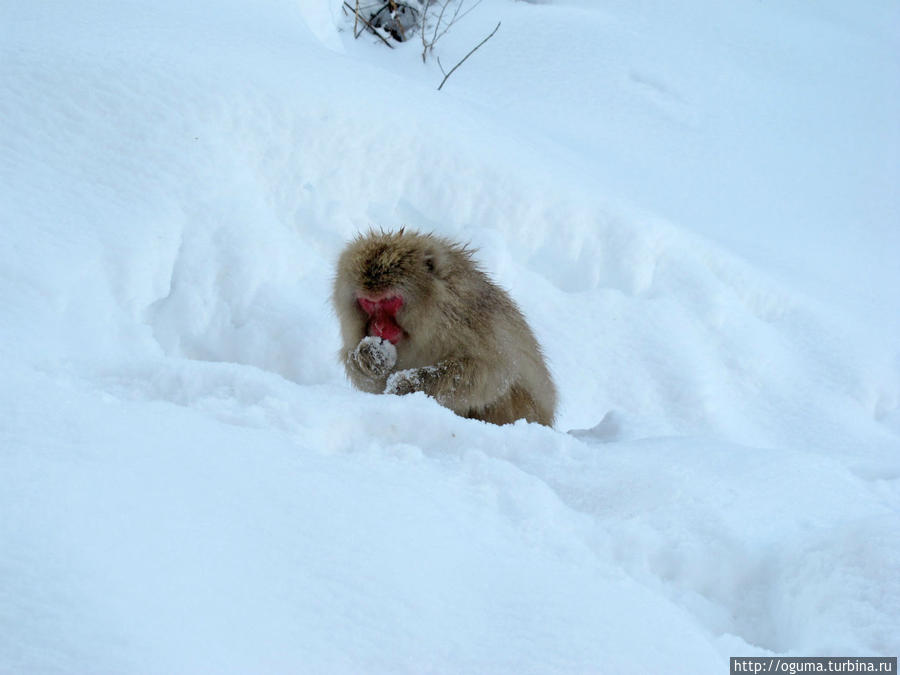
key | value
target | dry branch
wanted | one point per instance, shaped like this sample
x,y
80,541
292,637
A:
x,y
496,28
369,25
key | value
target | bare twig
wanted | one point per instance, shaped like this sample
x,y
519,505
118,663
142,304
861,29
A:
x,y
369,25
422,32
496,28
453,19
468,10
441,26
437,24
355,20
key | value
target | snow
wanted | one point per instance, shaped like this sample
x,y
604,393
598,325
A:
x,y
695,206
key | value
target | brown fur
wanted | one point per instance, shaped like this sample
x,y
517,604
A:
x,y
465,341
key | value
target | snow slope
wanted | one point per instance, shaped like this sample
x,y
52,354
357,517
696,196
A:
x,y
696,210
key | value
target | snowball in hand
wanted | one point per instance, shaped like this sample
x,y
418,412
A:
x,y
380,354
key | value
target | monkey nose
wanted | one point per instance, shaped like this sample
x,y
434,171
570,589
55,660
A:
x,y
372,305
392,305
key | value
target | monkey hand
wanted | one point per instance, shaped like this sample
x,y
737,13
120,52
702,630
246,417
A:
x,y
407,381
373,357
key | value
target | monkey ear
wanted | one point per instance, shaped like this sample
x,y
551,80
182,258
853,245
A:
x,y
437,263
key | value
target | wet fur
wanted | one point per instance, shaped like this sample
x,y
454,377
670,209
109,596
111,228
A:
x,y
466,343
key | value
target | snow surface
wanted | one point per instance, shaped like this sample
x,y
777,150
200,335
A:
x,y
695,205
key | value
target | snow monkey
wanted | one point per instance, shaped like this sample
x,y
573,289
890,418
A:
x,y
418,314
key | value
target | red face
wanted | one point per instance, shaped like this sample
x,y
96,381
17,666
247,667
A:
x,y
382,311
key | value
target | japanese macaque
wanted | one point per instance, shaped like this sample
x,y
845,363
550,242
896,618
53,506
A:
x,y
417,314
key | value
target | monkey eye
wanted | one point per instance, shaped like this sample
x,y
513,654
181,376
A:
x,y
429,263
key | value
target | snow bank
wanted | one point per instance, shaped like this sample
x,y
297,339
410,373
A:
x,y
190,482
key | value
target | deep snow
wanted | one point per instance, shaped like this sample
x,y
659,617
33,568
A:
x,y
694,204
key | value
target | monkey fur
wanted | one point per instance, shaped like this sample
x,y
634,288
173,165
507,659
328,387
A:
x,y
418,314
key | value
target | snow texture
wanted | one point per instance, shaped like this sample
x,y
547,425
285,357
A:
x,y
693,203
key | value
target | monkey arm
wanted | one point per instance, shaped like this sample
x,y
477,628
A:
x,y
461,385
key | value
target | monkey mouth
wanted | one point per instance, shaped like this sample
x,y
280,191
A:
x,y
381,310
386,328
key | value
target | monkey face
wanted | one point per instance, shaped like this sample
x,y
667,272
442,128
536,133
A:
x,y
381,312
386,284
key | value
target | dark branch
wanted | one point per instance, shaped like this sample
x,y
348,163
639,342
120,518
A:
x,y
468,55
370,27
